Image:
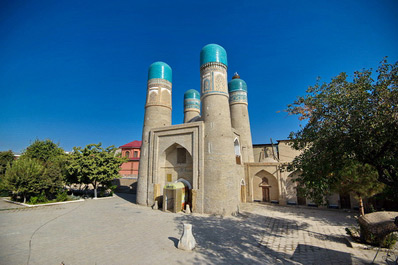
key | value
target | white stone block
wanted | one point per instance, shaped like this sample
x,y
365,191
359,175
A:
x,y
187,241
187,209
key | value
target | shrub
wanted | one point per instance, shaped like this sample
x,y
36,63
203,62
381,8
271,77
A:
x,y
62,196
390,240
41,198
33,200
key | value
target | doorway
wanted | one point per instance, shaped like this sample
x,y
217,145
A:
x,y
265,189
345,202
265,194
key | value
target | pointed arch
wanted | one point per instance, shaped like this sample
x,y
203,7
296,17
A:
x,y
265,186
175,163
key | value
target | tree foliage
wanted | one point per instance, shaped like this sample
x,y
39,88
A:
x,y
43,150
53,159
26,177
94,165
348,122
359,179
6,157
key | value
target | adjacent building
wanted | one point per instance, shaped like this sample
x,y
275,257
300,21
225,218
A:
x,y
129,170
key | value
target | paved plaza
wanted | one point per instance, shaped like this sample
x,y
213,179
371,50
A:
x,y
117,231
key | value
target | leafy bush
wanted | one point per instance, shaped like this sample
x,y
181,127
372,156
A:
x,y
33,200
390,240
62,196
41,198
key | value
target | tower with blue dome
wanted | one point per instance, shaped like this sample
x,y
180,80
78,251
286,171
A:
x,y
157,115
237,89
204,154
191,105
222,182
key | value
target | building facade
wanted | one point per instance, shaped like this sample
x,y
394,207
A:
x,y
131,151
129,170
211,153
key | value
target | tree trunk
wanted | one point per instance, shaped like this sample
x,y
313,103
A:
x,y
361,209
95,190
24,199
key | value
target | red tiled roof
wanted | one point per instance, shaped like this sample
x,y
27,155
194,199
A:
x,y
133,144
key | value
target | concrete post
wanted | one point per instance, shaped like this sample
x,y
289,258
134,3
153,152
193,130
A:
x,y
157,114
187,241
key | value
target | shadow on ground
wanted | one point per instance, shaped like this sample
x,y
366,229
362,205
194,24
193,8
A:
x,y
327,216
233,240
127,197
308,254
238,240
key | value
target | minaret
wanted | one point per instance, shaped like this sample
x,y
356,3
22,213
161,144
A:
x,y
237,89
157,114
221,180
191,105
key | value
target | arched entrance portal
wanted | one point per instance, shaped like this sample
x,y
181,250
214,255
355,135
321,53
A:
x,y
265,187
175,164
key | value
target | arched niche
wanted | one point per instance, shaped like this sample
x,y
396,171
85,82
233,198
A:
x,y
175,163
265,187
237,151
291,188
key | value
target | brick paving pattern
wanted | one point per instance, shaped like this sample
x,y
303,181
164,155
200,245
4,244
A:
x,y
117,231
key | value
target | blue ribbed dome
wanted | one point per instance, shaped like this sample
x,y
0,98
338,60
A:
x,y
192,93
237,85
160,70
213,53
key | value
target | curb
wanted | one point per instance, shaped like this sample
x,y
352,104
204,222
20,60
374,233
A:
x,y
102,198
44,204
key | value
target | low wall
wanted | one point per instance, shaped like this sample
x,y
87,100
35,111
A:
x,y
126,184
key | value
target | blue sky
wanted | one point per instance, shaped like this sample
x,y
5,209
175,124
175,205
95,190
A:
x,y
75,72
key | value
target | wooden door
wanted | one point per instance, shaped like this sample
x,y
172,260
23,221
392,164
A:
x,y
265,194
345,202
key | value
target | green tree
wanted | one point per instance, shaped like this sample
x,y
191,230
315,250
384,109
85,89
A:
x,y
53,159
348,121
359,179
55,171
6,157
25,177
94,165
43,150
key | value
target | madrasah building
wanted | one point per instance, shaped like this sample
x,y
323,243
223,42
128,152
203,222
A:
x,y
211,153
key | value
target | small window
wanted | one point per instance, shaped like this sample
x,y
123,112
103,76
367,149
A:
x,y
181,156
135,154
237,152
127,154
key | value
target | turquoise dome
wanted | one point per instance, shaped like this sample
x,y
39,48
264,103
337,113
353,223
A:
x,y
160,70
237,85
192,93
213,53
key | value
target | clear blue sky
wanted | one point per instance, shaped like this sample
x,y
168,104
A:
x,y
75,72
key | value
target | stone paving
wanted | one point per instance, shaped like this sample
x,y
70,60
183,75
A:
x,y
117,231
310,235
